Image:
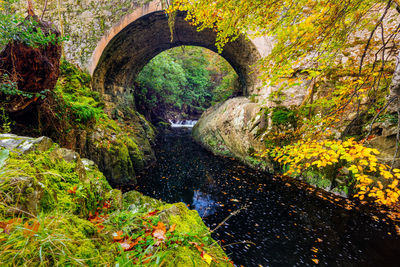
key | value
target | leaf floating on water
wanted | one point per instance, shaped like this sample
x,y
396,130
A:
x,y
397,230
316,261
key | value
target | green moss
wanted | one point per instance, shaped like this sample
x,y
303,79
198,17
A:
x,y
138,200
61,240
83,105
186,219
189,228
283,117
65,237
36,182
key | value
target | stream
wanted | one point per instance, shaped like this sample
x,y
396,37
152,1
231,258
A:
x,y
278,225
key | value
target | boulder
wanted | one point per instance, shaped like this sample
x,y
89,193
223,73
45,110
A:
x,y
233,129
21,144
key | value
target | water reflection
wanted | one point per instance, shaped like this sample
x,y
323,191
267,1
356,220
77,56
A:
x,y
204,204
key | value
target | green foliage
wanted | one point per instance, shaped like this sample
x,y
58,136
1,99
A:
x,y
61,240
165,79
185,79
5,121
283,117
9,88
73,87
14,28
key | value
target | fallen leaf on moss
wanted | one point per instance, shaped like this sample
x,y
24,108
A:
x,y
30,230
117,236
159,234
207,258
172,228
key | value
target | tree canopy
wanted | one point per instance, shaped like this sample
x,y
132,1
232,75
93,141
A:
x,y
345,50
184,80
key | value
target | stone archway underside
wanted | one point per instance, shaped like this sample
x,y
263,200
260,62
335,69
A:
x,y
117,62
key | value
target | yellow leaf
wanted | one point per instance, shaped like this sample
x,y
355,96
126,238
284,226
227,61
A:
x,y
207,258
315,260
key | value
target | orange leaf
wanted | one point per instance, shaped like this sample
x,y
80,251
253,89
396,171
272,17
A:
x,y
30,230
117,236
160,226
197,246
126,246
152,213
100,227
7,226
73,190
172,228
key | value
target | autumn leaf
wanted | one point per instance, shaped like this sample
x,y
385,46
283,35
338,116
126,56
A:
x,y
172,228
154,212
30,230
73,190
160,226
159,234
206,257
117,236
7,226
126,246
100,227
316,261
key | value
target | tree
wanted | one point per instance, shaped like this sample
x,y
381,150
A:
x,y
310,38
183,81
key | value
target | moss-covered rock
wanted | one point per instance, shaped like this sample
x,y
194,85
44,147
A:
x,y
181,245
50,216
85,122
56,178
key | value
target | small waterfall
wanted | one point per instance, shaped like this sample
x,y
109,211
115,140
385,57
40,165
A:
x,y
183,123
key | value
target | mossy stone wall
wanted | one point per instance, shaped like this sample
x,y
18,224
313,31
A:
x,y
83,21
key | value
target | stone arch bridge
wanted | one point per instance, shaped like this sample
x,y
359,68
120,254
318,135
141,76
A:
x,y
139,36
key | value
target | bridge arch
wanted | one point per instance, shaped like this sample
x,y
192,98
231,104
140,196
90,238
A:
x,y
137,38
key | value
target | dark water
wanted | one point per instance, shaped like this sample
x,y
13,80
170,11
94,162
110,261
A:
x,y
281,226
